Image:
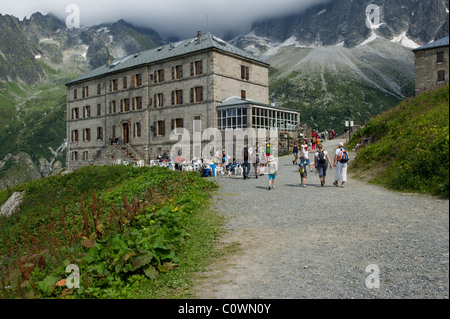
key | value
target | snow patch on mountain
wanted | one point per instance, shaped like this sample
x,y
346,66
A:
x,y
405,41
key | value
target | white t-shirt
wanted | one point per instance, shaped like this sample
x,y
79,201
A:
x,y
338,151
325,153
305,150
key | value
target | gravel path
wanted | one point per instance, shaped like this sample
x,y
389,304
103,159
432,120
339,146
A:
x,y
316,242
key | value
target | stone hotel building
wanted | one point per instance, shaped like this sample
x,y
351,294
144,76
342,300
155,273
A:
x,y
432,65
127,108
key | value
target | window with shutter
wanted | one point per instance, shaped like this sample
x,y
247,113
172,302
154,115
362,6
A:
x,y
138,79
198,67
441,75
161,128
440,57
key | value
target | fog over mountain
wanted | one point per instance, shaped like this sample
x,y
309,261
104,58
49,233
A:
x,y
172,18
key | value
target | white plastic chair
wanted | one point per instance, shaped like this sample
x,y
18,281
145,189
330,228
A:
x,y
154,163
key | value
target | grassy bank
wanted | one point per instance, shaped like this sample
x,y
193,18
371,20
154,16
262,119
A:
x,y
411,146
131,232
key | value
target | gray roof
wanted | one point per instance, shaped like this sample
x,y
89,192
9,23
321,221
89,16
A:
x,y
435,44
208,41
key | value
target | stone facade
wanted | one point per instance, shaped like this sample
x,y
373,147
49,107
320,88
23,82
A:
x,y
137,107
431,66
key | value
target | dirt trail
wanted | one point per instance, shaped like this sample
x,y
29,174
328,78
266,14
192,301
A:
x,y
317,242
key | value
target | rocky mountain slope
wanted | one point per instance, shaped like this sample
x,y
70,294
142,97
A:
x,y
346,59
344,21
37,57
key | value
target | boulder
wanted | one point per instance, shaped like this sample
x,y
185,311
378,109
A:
x,y
10,206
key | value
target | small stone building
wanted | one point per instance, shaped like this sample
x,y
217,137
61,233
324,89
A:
x,y
432,65
130,106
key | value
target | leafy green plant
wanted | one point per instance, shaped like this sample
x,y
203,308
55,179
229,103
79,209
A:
x,y
130,228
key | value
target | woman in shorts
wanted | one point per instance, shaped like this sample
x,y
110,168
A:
x,y
321,161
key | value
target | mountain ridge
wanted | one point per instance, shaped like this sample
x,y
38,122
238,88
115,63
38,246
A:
x,y
326,83
345,21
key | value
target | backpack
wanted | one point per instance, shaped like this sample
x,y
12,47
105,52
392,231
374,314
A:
x,y
321,158
272,169
343,156
302,167
257,159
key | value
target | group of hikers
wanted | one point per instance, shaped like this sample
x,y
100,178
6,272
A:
x,y
322,161
268,163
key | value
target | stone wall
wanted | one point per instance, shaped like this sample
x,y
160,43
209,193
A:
x,y
426,69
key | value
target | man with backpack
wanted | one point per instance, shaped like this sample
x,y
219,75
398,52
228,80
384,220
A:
x,y
341,159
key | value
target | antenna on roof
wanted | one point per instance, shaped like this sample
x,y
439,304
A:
x,y
207,14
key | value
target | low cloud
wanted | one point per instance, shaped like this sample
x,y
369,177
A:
x,y
179,18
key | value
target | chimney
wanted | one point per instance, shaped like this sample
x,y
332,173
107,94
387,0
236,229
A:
x,y
199,36
108,61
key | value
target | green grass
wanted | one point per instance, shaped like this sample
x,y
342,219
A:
x,y
325,105
133,232
411,149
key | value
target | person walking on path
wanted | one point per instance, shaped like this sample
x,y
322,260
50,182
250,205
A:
x,y
314,139
340,162
246,164
273,171
257,162
295,152
304,146
305,154
302,169
321,161
268,152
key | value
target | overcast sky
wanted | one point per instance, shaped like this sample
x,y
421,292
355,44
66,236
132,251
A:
x,y
168,17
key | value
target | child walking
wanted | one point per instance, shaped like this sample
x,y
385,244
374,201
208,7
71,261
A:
x,y
302,168
273,171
